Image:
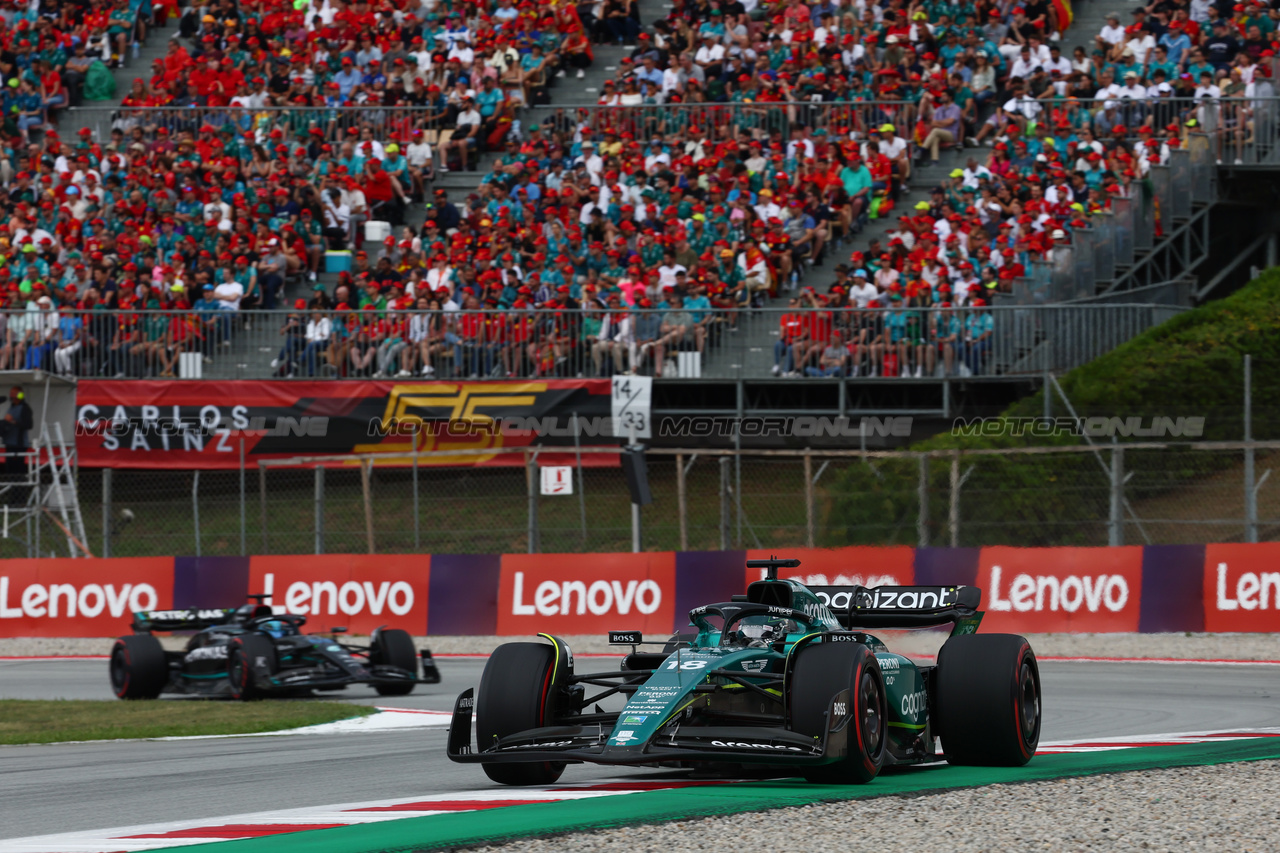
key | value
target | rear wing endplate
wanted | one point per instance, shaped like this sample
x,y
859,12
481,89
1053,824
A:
x,y
181,620
903,606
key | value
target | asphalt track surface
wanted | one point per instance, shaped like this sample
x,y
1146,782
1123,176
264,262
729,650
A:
x,y
68,787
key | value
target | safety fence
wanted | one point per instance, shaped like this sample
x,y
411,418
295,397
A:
x,y
675,342
558,499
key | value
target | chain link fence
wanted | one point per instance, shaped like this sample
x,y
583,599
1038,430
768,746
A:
x,y
1131,493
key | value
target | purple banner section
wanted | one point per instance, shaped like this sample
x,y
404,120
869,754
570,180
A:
x,y
463,599
1172,589
944,566
705,577
210,581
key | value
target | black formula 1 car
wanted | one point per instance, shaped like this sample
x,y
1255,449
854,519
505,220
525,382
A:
x,y
784,675
251,652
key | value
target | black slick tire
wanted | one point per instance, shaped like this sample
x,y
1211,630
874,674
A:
x,y
821,671
394,647
517,693
243,652
987,701
138,667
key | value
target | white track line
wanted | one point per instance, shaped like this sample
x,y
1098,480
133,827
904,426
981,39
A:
x,y
293,820
125,838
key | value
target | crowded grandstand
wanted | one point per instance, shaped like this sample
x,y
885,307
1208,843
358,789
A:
x,y
281,165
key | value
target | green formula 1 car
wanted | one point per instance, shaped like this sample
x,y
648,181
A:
x,y
784,675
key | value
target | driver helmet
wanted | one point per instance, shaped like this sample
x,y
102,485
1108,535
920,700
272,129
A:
x,y
276,628
762,631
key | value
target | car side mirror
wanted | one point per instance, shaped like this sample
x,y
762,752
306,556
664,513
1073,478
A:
x,y
338,630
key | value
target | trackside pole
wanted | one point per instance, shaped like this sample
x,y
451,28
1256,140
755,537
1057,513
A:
x,y
635,507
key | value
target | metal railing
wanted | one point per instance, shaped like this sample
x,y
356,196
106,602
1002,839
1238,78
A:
x,y
1223,117
713,343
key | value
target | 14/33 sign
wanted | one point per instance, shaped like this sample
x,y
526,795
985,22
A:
x,y
631,400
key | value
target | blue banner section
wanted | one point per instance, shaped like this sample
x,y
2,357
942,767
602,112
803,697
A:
x,y
1172,589
945,566
703,577
211,581
463,596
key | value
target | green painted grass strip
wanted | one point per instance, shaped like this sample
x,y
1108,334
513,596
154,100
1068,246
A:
x,y
474,828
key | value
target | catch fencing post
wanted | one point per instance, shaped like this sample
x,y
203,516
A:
x,y
922,515
582,492
531,488
808,496
681,506
106,512
954,511
195,506
724,503
1115,526
417,538
737,458
262,502
319,509
1250,489
244,545
366,473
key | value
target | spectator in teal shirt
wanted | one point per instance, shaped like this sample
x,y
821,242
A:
x,y
488,99
1159,60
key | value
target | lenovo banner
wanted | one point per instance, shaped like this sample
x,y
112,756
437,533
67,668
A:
x,y
1219,588
356,591
200,424
80,598
587,593
1039,590
1242,587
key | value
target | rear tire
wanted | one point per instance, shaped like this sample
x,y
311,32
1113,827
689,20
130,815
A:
x,y
395,648
138,667
516,693
240,657
820,672
988,700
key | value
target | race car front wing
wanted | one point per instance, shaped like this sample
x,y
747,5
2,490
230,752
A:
x,y
673,743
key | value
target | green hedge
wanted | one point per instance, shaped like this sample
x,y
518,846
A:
x,y
1190,366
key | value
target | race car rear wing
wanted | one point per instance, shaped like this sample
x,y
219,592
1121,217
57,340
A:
x,y
181,620
903,606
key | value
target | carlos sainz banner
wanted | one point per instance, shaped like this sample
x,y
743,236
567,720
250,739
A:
x,y
203,424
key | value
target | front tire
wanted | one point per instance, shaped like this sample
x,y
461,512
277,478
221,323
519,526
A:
x,y
138,667
821,671
394,647
242,655
988,700
517,693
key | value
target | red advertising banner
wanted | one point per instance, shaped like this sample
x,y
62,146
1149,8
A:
x,y
1242,587
80,598
357,591
587,593
1038,590
201,424
861,565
